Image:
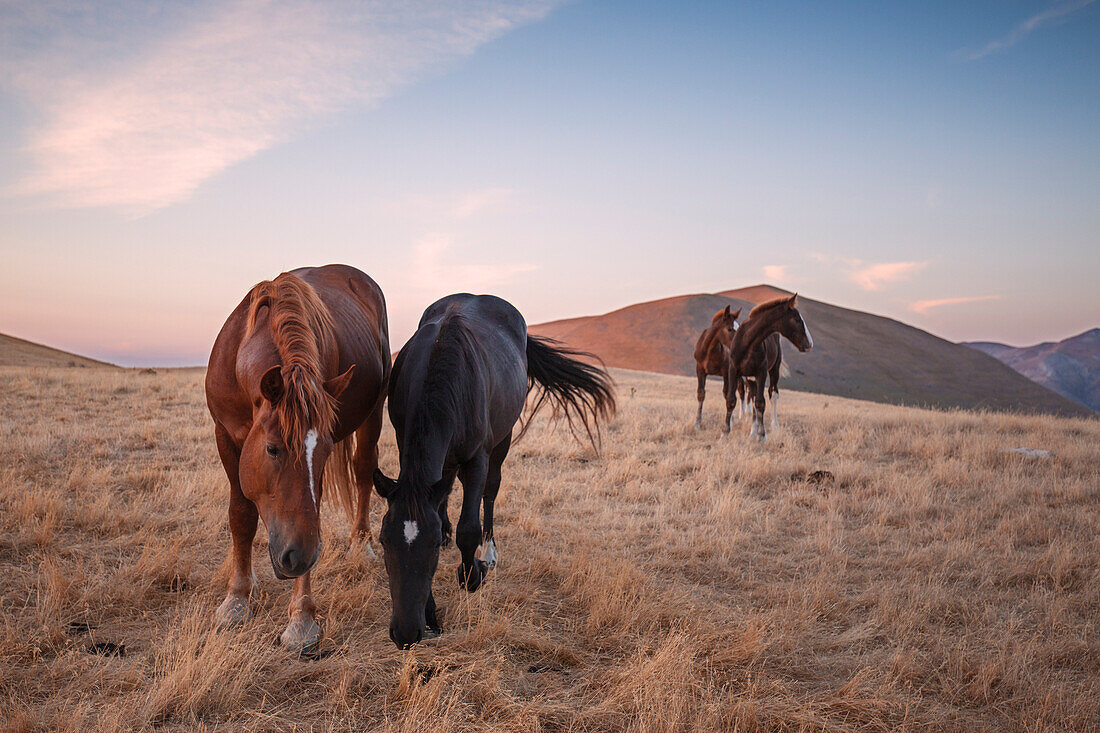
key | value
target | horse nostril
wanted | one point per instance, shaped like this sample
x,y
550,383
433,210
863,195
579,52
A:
x,y
291,557
404,642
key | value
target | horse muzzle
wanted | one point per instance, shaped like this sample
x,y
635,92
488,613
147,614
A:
x,y
292,561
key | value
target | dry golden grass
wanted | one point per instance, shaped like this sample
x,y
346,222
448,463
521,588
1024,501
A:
x,y
678,582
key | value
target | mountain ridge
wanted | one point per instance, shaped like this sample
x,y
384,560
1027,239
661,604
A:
x,y
856,354
1070,367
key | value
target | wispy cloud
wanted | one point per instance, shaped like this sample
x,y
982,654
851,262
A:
x,y
923,306
433,269
477,201
775,273
1031,24
873,275
135,107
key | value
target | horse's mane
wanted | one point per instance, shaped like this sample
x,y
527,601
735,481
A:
x,y
763,309
302,330
447,390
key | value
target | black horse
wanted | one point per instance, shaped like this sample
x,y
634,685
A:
x,y
456,392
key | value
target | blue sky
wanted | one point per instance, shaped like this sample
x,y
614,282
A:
x,y
938,163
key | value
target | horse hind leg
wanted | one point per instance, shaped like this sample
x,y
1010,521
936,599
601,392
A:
x,y
759,431
243,518
700,394
468,533
363,465
489,551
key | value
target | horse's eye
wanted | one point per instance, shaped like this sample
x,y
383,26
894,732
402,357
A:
x,y
273,451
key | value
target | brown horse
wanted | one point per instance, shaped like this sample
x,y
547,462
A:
x,y
749,358
712,354
297,379
773,361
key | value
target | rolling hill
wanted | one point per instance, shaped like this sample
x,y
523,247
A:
x,y
855,354
1070,367
20,352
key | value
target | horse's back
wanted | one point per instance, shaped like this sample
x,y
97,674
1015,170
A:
x,y
486,314
358,310
496,362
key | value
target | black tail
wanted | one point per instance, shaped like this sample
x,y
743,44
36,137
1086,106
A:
x,y
582,392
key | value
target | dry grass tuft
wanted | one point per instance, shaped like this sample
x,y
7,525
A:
x,y
871,568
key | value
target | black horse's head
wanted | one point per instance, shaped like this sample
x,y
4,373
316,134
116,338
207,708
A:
x,y
412,533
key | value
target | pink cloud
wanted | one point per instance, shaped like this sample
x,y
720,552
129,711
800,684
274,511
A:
x,y
923,306
133,111
775,273
872,276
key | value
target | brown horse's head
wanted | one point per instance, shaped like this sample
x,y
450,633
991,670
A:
x,y
283,459
725,325
792,326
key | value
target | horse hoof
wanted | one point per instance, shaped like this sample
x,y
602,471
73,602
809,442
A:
x,y
489,554
362,537
303,635
470,578
233,612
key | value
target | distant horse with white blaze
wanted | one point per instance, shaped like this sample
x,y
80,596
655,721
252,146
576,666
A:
x,y
749,358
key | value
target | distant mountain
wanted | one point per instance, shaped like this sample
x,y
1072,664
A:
x,y
20,352
855,354
1070,367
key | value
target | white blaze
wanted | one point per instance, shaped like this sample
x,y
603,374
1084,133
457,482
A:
x,y
411,531
311,443
809,338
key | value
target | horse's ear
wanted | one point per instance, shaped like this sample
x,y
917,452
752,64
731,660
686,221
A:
x,y
337,385
793,302
735,315
727,313
383,484
271,384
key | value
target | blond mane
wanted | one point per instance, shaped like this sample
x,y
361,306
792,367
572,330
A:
x,y
302,330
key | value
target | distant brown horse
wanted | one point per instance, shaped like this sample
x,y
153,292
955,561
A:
x,y
712,354
749,354
773,361
297,377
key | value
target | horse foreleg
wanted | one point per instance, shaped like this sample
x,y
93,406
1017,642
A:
x,y
468,535
303,633
700,394
243,518
363,465
731,399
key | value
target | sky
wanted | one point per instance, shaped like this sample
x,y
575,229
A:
x,y
934,162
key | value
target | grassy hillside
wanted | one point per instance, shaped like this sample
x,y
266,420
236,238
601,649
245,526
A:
x,y
19,352
679,581
855,354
